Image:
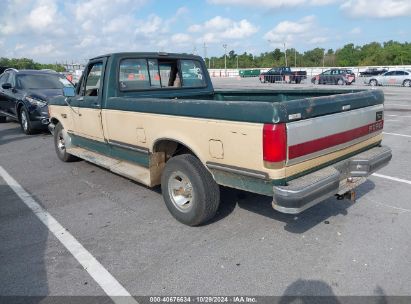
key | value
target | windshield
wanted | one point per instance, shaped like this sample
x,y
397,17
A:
x,y
41,81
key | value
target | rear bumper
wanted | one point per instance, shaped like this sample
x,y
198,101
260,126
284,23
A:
x,y
305,192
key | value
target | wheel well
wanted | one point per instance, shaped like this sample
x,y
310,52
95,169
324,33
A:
x,y
171,148
54,120
19,106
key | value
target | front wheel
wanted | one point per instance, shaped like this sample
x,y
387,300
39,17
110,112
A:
x,y
60,144
25,123
373,82
407,83
189,190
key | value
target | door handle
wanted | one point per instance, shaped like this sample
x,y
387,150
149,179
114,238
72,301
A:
x,y
96,104
80,99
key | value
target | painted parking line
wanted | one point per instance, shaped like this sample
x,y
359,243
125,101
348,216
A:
x,y
396,179
405,116
101,275
398,104
396,134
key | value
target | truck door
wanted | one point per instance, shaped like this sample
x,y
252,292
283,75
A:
x,y
87,104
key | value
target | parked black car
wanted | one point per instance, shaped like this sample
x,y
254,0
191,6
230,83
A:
x,y
335,76
24,95
372,72
283,74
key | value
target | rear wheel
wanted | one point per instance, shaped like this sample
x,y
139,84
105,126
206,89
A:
x,y
340,82
373,82
60,144
189,190
407,83
25,123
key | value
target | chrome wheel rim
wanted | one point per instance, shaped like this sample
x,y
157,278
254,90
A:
x,y
61,144
24,121
181,191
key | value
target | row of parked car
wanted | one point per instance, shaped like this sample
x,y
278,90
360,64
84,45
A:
x,y
341,76
24,95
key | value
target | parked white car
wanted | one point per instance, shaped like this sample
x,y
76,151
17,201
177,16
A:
x,y
395,77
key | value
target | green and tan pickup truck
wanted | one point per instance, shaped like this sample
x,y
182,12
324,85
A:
x,y
156,119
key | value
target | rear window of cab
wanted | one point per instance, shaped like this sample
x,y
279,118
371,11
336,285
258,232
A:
x,y
145,74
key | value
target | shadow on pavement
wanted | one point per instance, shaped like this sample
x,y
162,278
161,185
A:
x,y
319,292
13,133
23,241
300,223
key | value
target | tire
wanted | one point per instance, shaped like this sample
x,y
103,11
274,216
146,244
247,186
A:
x,y
317,81
60,145
373,82
340,82
407,83
201,195
25,123
3,119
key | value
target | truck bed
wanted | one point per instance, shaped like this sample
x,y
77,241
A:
x,y
259,106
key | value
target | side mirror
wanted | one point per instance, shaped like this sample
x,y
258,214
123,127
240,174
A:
x,y
6,86
69,92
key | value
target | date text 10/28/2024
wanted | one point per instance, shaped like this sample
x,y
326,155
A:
x,y
203,299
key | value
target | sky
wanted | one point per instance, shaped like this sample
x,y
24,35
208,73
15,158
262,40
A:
x,y
51,31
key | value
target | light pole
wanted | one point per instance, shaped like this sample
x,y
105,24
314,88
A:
x,y
285,55
205,54
295,57
225,59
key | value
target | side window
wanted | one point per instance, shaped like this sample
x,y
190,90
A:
x,y
12,79
154,73
389,73
133,74
192,74
400,73
3,78
92,80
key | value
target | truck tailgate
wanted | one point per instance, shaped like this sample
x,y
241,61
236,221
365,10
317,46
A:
x,y
311,138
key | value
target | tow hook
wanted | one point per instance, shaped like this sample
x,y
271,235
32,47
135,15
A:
x,y
350,195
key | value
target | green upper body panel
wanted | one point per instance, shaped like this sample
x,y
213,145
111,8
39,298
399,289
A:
x,y
254,106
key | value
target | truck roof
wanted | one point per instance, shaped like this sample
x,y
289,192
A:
x,y
150,54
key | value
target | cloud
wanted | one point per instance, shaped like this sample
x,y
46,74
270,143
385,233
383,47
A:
x,y
384,8
356,31
289,32
220,29
181,38
272,3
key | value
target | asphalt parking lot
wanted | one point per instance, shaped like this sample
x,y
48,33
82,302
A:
x,y
335,248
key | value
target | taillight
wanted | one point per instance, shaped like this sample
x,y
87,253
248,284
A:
x,y
274,142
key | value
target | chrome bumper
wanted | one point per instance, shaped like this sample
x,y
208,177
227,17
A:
x,y
308,190
51,127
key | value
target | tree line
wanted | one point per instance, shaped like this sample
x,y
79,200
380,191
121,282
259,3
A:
x,y
25,63
374,53
371,54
